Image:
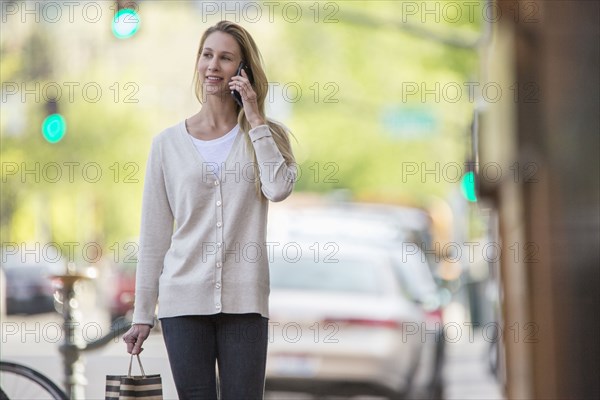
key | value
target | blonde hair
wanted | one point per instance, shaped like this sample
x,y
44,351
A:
x,y
253,59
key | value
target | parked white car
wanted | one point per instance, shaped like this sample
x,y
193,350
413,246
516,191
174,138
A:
x,y
337,315
28,287
391,230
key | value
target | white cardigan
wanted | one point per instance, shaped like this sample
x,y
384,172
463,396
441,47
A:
x,y
215,259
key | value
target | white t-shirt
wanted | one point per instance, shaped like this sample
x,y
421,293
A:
x,y
215,151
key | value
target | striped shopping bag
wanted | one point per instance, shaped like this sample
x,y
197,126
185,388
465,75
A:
x,y
129,387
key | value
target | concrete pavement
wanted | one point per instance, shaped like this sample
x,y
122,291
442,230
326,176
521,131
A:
x,y
34,341
466,372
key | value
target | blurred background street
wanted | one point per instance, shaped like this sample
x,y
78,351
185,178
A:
x,y
442,239
466,372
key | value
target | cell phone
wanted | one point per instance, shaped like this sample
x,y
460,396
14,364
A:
x,y
236,95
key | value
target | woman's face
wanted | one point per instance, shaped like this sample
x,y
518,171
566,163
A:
x,y
218,62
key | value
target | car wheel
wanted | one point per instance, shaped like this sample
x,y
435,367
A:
x,y
437,391
398,396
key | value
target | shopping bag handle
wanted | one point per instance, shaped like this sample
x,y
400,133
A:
x,y
139,362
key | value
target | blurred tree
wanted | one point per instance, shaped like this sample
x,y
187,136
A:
x,y
37,54
350,74
340,79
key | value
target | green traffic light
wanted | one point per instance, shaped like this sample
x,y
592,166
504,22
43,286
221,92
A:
x,y
125,23
467,186
54,128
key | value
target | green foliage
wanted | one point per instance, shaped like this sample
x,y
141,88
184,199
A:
x,y
367,70
349,72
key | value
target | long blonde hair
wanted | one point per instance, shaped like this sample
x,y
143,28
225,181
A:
x,y
253,59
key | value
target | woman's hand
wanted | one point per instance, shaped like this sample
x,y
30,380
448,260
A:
x,y
243,86
135,338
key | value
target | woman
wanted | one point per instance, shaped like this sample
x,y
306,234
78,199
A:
x,y
213,175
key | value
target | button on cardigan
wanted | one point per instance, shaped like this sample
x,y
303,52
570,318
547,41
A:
x,y
202,238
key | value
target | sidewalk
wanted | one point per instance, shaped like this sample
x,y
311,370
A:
x,y
466,372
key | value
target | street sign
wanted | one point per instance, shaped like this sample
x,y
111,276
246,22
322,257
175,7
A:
x,y
410,123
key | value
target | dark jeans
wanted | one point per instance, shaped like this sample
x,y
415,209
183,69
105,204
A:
x,y
236,342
